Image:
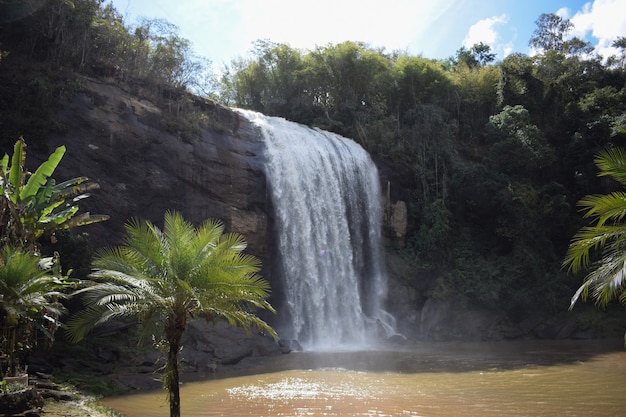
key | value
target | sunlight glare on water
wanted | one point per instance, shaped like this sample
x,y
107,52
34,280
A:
x,y
299,388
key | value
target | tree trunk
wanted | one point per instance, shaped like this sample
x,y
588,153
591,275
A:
x,y
172,377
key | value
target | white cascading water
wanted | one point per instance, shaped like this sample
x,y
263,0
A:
x,y
327,203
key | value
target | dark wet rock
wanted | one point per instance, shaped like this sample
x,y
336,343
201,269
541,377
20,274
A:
x,y
210,344
58,395
21,401
292,345
118,140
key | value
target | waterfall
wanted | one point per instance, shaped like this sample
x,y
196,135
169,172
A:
x,y
326,198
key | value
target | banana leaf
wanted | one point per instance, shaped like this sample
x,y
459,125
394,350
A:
x,y
16,174
41,175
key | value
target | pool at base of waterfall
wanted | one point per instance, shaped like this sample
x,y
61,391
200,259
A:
x,y
521,378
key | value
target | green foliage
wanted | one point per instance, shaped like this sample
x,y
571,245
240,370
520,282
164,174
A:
x,y
164,277
478,55
90,36
337,87
517,84
8,388
600,247
33,204
435,232
475,98
519,147
477,190
476,279
27,101
608,322
29,302
417,80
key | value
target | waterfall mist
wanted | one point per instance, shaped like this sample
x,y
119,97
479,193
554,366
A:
x,y
326,198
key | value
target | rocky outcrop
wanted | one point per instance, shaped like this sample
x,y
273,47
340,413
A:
x,y
21,402
208,346
399,220
117,140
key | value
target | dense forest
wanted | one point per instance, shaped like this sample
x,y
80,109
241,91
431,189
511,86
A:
x,y
497,154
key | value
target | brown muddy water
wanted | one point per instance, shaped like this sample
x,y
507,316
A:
x,y
529,378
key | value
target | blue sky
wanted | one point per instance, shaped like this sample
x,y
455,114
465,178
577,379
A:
x,y
225,29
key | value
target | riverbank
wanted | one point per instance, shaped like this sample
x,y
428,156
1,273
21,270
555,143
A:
x,y
86,407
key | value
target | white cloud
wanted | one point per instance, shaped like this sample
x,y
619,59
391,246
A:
x,y
605,20
563,12
487,31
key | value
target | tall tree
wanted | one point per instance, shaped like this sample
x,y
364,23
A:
x,y
164,277
551,32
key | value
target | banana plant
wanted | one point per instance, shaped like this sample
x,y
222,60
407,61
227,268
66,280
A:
x,y
34,205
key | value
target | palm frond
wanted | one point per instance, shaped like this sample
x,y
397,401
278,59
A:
x,y
605,237
587,240
210,230
607,279
241,318
83,322
178,232
622,298
605,208
117,259
146,244
612,162
120,278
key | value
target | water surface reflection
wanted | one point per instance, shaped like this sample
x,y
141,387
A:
x,y
538,378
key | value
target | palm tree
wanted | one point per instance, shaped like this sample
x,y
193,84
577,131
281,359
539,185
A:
x,y
165,277
28,301
606,238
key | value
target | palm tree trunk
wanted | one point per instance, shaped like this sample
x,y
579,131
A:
x,y
12,369
171,375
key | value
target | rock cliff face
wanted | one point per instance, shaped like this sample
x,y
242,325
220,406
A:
x,y
116,139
